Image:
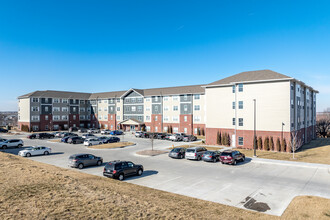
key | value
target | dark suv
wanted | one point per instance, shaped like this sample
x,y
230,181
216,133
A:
x,y
178,152
84,160
231,157
44,135
121,169
76,140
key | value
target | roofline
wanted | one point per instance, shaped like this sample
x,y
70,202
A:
x,y
253,81
131,89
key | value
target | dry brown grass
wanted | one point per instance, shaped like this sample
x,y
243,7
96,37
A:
x,y
33,190
151,152
55,140
112,145
318,151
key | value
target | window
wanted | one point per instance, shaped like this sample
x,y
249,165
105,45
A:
x,y
197,118
133,108
195,130
106,117
147,109
74,117
46,117
240,104
156,118
165,118
165,129
82,109
175,118
156,98
175,98
139,100
140,118
35,99
185,108
240,122
105,101
82,117
234,121
147,118
56,117
148,128
118,99
185,130
147,99
64,109
56,101
197,96
234,105
240,140
133,100
118,108
118,117
175,129
82,101
100,109
74,109
111,117
165,108
139,108
175,108
234,88
64,100
100,101
35,109
156,108
64,117
35,118
56,109
165,98
88,117
46,109
100,117
197,107
185,118
185,97
240,87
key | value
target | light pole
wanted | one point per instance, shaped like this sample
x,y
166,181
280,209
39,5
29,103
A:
x,y
254,135
282,131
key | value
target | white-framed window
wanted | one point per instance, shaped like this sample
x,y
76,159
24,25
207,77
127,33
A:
x,y
240,87
197,107
100,100
234,88
89,109
56,100
156,108
64,109
148,99
74,109
175,108
147,118
111,127
156,128
118,99
88,117
133,108
111,109
148,128
195,130
82,117
100,109
147,109
156,118
100,117
56,117
175,129
234,105
118,108
197,118
35,127
240,104
64,117
156,98
82,101
175,118
106,116
185,118
175,98
35,99
240,141
185,108
139,108
56,109
197,96
35,108
165,118
106,109
165,98
234,121
118,117
185,130
105,126
65,101
139,100
46,108
82,109
35,117
105,101
165,129
46,117
110,100
185,97
165,108
240,122
74,117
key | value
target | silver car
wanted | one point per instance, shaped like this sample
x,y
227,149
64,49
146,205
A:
x,y
35,150
195,153
11,143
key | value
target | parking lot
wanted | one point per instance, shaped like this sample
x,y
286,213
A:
x,y
266,188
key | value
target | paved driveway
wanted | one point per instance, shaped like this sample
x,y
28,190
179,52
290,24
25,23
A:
x,y
262,187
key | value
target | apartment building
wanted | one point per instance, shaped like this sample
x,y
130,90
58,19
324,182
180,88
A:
x,y
263,102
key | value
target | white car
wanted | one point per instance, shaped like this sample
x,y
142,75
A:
x,y
11,143
92,141
35,150
105,131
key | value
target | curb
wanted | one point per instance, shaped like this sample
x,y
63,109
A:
x,y
289,163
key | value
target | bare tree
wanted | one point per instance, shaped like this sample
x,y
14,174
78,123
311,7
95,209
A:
x,y
295,144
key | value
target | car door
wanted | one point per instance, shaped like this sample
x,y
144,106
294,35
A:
x,y
35,151
131,168
91,160
13,143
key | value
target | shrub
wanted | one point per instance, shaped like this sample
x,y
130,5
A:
x,y
218,138
228,140
198,131
284,146
266,144
260,143
255,142
202,132
278,145
271,144
225,139
25,128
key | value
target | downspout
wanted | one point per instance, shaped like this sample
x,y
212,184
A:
x,y
236,121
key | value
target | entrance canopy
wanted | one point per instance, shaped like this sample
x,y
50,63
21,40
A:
x,y
131,121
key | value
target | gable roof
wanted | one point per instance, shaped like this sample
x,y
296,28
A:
x,y
249,76
105,95
56,94
194,89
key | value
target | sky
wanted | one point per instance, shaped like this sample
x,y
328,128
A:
x,y
99,46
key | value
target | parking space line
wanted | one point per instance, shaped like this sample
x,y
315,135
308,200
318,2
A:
x,y
167,181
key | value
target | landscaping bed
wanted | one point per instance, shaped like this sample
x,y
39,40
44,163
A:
x,y
112,145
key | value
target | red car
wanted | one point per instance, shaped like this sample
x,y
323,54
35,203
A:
x,y
231,157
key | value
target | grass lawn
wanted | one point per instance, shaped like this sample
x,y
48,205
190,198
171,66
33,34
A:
x,y
33,190
55,140
317,151
111,145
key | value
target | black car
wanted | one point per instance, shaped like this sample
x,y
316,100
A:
x,y
76,140
161,136
3,130
178,152
31,136
145,135
121,169
113,140
189,138
44,136
211,156
69,134
82,130
84,160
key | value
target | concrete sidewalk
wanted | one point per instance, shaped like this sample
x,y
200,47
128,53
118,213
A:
x,y
288,163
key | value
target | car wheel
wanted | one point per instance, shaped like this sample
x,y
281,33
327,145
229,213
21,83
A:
x,y
181,157
99,163
121,177
243,159
80,166
139,172
100,143
4,147
28,155
222,162
234,162
46,152
89,144
214,160
199,158
20,145
74,142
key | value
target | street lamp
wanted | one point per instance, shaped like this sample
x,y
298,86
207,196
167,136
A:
x,y
254,135
282,131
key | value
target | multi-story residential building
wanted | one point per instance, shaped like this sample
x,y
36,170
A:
x,y
262,102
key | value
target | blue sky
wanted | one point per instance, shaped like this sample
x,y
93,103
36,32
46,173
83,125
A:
x,y
98,46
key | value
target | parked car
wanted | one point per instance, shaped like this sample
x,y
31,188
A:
x,y
104,139
44,135
35,150
93,130
138,133
31,136
2,140
2,130
178,152
69,134
113,140
92,141
65,139
145,135
167,136
231,157
75,140
82,130
59,134
161,136
86,136
84,160
105,131
11,143
189,138
195,153
121,169
116,132
211,156
176,137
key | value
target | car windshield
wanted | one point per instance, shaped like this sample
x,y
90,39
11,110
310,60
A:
x,y
191,150
209,152
176,149
29,148
226,154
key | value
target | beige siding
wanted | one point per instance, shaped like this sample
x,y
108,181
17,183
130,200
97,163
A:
x,y
24,110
